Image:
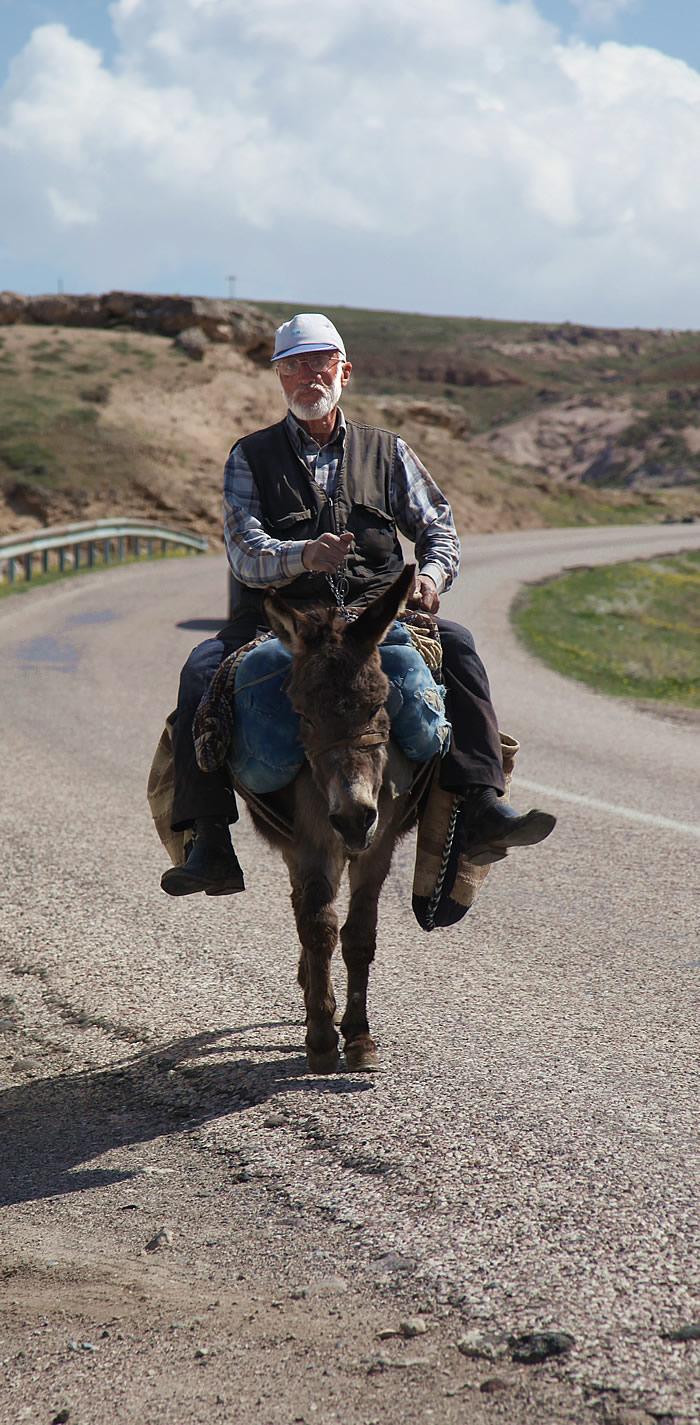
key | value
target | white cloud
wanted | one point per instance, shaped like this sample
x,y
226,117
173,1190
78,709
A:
x,y
67,212
451,155
602,12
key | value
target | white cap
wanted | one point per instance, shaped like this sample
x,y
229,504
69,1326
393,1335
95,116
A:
x,y
309,331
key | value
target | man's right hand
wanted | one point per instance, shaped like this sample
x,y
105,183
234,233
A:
x,y
326,554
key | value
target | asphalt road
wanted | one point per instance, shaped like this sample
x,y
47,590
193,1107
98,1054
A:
x,y
527,1160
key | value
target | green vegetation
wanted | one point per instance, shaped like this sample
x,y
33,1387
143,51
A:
x,y
628,629
569,508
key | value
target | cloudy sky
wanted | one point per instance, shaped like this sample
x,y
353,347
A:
x,y
504,158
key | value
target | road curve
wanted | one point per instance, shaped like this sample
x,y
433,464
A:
x,y
525,1160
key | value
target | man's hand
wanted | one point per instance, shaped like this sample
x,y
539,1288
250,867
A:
x,y
425,595
327,553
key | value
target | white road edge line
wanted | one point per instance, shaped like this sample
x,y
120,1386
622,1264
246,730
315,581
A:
x,y
648,818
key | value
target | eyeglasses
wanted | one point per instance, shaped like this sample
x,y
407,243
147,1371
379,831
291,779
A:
x,y
316,361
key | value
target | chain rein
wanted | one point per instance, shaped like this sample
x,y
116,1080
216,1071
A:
x,y
339,587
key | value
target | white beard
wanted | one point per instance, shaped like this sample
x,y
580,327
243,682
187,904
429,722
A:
x,y
323,405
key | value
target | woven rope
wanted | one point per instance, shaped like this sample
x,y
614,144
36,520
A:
x,y
446,853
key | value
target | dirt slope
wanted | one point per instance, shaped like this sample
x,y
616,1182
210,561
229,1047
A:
x,y
521,427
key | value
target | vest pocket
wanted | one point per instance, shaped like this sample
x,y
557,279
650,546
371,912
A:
x,y
296,517
375,535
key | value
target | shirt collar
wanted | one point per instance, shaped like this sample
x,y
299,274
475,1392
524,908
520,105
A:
x,y
302,441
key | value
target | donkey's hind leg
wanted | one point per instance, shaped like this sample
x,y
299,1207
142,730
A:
x,y
359,938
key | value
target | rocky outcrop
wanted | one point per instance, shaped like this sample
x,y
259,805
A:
x,y
603,443
396,412
569,440
444,370
193,342
239,323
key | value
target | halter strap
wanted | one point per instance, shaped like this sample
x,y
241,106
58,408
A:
x,y
360,743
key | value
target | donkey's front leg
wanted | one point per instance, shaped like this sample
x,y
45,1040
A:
x,y
359,939
317,924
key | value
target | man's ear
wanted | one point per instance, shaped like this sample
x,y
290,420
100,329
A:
x,y
375,622
288,623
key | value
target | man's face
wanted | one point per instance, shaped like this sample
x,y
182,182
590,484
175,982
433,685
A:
x,y
313,387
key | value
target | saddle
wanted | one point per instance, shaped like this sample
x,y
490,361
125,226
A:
x,y
246,722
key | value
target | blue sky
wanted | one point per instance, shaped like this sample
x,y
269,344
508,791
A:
x,y
532,159
671,26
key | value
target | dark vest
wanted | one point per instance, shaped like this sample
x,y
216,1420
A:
x,y
294,507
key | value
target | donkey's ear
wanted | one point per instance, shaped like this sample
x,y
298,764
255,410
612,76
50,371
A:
x,y
375,621
288,623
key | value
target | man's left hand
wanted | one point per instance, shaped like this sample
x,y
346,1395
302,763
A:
x,y
425,594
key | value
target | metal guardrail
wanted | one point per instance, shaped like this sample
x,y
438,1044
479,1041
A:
x,y
114,539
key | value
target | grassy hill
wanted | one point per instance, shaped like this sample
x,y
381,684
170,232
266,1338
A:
x,y
523,424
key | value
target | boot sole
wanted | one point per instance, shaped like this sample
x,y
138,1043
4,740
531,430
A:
x,y
177,882
534,827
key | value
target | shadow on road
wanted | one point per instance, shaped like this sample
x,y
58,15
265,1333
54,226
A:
x,y
51,1127
202,623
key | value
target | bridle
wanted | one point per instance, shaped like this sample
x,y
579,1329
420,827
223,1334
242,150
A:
x,y
359,742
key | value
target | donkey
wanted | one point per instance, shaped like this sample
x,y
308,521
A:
x,y
341,808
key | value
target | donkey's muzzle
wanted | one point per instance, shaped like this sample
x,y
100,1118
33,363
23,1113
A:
x,y
356,829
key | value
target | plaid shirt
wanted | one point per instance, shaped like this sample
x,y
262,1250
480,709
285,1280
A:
x,y
420,510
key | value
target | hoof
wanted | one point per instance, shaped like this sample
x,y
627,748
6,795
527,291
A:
x,y
361,1056
325,1063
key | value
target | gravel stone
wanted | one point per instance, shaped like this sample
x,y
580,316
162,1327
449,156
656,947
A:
x,y
326,1286
395,1262
163,1238
492,1385
689,1332
413,1326
483,1346
533,1347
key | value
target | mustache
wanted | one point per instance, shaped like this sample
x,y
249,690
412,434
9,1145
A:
x,y
324,403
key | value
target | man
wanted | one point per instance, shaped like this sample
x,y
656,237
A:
x,y
308,502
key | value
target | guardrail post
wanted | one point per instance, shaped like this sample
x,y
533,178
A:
x,y
137,546
121,546
107,550
45,561
76,556
27,567
11,571
62,559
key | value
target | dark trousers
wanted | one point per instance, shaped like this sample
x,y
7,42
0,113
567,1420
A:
x,y
473,758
